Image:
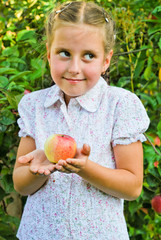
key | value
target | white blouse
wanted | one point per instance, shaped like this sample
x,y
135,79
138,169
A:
x,y
67,207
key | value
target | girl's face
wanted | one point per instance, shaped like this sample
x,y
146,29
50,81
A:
x,y
77,58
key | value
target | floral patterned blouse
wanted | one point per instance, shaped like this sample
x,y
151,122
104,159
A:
x,y
67,207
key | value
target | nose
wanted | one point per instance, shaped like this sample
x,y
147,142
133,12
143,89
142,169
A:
x,y
74,66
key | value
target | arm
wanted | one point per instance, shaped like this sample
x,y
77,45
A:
x,y
25,181
123,182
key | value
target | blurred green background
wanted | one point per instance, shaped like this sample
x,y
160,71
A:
x,y
136,66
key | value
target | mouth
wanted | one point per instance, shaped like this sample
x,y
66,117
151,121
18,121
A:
x,y
74,80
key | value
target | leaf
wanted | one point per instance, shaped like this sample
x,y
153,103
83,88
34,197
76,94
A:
x,y
35,75
2,128
150,61
19,75
123,81
14,99
159,129
7,70
149,99
154,172
11,51
149,156
139,68
156,10
15,60
1,238
158,97
37,63
147,194
157,59
32,42
18,98
152,181
159,43
134,206
148,70
5,229
7,184
16,88
3,82
26,35
154,30
6,117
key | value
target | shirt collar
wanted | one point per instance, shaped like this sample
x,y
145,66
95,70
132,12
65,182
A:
x,y
89,101
92,99
53,96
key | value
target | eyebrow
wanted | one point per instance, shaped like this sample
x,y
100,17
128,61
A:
x,y
94,51
61,49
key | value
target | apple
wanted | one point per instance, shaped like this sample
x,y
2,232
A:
x,y
156,203
154,139
26,91
156,163
157,141
60,146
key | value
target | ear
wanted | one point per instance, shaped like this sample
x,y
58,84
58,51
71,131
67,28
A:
x,y
48,53
107,61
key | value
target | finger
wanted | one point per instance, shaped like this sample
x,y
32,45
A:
x,y
86,149
33,170
62,169
72,169
26,158
76,163
44,172
72,161
63,166
51,168
62,162
40,172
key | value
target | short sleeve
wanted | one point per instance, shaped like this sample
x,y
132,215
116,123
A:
x,y
130,120
26,120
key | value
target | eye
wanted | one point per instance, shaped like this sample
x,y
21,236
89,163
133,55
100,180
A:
x,y
64,54
89,56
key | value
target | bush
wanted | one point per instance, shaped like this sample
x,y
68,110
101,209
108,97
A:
x,y
136,66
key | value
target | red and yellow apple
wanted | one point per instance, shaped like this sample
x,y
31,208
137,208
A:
x,y
60,146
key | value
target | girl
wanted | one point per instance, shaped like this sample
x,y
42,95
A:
x,y
80,198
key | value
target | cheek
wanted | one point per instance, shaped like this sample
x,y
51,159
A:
x,y
93,71
57,68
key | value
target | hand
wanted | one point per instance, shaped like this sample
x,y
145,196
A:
x,y
74,165
38,163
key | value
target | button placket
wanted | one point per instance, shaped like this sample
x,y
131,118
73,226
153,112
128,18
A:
x,y
73,113
65,113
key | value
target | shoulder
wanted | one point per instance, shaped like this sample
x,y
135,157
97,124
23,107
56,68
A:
x,y
125,104
35,98
120,93
121,97
36,95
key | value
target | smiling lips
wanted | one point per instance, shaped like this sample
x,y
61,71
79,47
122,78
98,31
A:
x,y
71,80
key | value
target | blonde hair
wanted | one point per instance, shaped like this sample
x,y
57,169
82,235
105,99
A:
x,y
80,12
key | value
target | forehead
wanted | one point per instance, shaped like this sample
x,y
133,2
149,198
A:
x,y
80,34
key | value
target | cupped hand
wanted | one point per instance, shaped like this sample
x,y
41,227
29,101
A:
x,y
38,163
74,165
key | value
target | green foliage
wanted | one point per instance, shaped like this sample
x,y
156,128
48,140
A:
x,y
136,66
